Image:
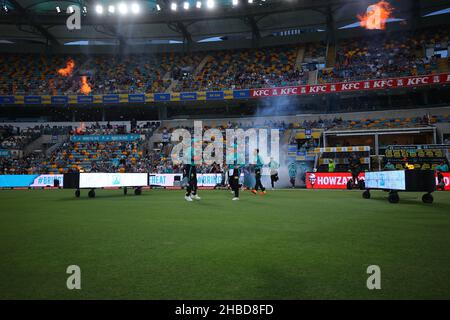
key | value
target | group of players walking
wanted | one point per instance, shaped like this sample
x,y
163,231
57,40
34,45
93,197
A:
x,y
234,173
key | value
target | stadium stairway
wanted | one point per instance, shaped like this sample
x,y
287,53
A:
x,y
202,64
331,56
167,76
172,86
300,57
287,136
443,65
312,77
54,147
36,144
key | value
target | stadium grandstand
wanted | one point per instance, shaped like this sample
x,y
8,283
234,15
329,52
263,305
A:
x,y
105,89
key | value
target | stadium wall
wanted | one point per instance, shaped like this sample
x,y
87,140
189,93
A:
x,y
311,117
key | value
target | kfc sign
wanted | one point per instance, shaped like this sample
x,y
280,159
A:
x,y
353,86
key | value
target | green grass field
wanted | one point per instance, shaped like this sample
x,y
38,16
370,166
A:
x,y
290,244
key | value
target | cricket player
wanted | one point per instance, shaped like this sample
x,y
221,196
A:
x,y
273,166
235,173
292,173
190,172
258,173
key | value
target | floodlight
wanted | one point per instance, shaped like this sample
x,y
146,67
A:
x,y
122,8
99,9
135,8
210,4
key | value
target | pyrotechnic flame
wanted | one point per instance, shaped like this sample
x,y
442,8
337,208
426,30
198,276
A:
x,y
67,71
376,16
81,128
85,87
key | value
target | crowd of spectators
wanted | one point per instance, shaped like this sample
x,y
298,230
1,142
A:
x,y
386,55
137,156
31,164
243,69
379,56
17,138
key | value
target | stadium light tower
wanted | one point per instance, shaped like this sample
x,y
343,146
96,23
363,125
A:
x,y
135,8
123,8
99,9
210,4
235,2
111,9
186,5
198,4
250,1
173,6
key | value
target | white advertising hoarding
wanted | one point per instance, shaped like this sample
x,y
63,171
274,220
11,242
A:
x,y
109,180
390,180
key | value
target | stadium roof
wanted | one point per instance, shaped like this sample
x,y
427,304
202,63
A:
x,y
40,21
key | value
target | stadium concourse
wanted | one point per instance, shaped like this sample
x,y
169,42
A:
x,y
314,112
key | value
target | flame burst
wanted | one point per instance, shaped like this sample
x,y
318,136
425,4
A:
x,y
85,87
376,16
67,71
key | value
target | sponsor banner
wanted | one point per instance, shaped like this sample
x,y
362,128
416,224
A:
x,y
162,97
44,180
419,147
104,138
164,180
136,98
85,99
7,100
391,83
59,99
228,94
241,94
46,99
111,98
209,180
446,180
215,95
4,153
29,180
32,100
338,180
353,86
188,96
274,92
111,180
326,180
174,179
